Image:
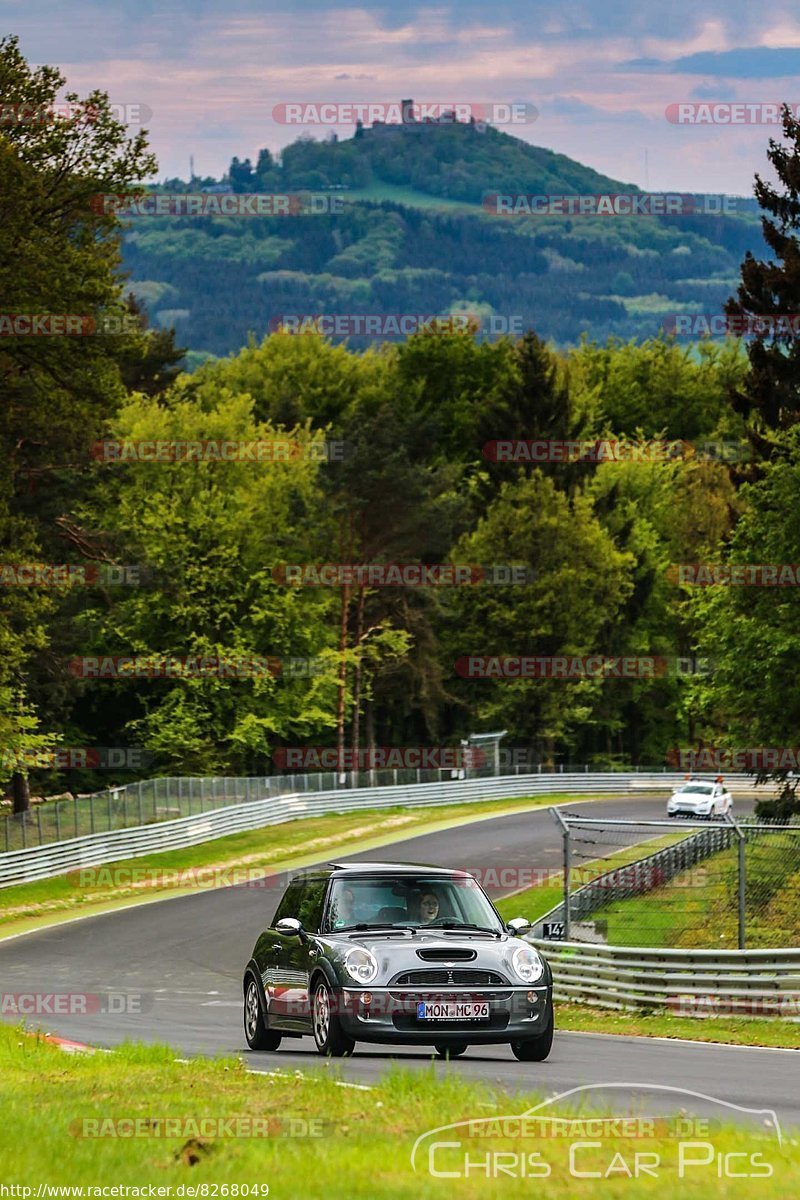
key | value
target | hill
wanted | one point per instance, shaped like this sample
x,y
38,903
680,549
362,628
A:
x,y
412,237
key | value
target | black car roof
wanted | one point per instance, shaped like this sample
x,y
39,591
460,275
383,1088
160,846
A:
x,y
369,868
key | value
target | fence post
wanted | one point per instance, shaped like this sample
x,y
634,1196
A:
x,y
39,821
567,868
75,802
141,805
110,811
742,881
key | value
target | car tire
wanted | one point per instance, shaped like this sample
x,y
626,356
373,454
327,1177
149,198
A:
x,y
535,1049
451,1050
330,1038
258,1036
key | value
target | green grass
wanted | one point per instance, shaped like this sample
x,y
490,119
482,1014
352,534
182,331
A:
x,y
405,194
271,849
698,908
732,1031
361,1140
534,902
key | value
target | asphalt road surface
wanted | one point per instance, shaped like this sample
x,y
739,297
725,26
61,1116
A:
x,y
170,971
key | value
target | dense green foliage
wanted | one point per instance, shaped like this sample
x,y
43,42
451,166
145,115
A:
x,y
412,236
370,665
220,279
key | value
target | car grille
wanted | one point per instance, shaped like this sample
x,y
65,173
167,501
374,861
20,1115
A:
x,y
449,978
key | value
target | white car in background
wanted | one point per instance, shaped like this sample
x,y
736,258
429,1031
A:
x,y
700,798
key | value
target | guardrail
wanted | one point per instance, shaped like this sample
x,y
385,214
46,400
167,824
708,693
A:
x,y
259,808
686,982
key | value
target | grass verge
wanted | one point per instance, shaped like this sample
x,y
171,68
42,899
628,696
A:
x,y
68,1119
731,1031
698,908
534,902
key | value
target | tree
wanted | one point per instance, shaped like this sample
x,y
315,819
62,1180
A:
x,y
211,534
580,583
770,394
752,633
59,256
241,175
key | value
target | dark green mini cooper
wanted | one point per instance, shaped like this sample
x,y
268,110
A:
x,y
396,953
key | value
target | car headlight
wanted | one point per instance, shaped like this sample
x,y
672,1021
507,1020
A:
x,y
361,965
527,964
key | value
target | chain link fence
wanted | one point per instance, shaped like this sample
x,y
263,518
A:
x,y
168,797
710,886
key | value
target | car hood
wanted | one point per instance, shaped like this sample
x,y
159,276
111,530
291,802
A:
x,y
396,954
690,798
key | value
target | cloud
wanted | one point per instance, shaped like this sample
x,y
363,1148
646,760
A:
x,y
746,62
712,91
576,109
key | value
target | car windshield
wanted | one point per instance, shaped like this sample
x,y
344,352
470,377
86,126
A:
x,y
703,789
419,901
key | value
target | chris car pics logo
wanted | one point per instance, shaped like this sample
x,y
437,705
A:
x,y
683,1135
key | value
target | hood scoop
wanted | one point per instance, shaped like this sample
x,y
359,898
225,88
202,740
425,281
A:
x,y
447,954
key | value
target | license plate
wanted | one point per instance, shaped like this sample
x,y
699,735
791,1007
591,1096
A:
x,y
452,1010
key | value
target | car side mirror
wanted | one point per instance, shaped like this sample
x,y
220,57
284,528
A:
x,y
518,925
290,927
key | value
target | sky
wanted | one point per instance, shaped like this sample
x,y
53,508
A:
x,y
603,77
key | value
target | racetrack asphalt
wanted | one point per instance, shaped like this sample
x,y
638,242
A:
x,y
170,971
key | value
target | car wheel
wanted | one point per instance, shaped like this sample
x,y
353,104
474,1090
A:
x,y
534,1049
331,1039
255,1028
450,1049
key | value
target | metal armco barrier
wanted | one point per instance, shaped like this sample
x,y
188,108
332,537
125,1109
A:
x,y
758,983
261,808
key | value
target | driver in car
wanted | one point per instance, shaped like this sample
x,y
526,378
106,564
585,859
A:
x,y
345,909
428,907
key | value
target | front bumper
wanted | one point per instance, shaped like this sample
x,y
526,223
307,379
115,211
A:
x,y
515,1013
